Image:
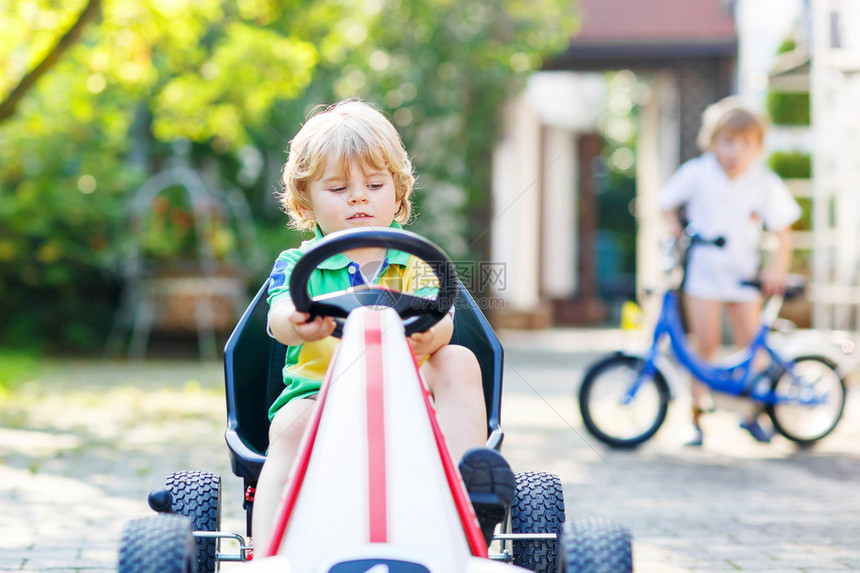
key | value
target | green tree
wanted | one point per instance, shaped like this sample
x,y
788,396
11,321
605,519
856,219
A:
x,y
236,78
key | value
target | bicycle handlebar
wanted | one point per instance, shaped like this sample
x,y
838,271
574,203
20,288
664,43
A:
x,y
795,285
696,239
686,242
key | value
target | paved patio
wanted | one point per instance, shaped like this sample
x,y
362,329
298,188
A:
x,y
83,443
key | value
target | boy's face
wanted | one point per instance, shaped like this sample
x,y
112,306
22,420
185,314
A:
x,y
736,150
353,199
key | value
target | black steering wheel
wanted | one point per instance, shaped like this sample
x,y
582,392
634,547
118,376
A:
x,y
418,313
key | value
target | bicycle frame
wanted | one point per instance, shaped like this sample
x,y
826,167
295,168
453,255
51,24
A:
x,y
738,378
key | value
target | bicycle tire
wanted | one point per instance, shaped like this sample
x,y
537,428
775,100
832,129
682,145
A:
x,y
597,423
827,378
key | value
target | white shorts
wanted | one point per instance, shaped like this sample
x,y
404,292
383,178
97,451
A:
x,y
710,278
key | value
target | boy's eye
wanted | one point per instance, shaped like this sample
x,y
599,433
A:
x,y
337,188
375,185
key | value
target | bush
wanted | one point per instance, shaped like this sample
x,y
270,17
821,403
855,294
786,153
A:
x,y
785,108
791,164
14,367
804,223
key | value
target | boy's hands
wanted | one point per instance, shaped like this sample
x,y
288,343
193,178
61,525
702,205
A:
x,y
774,278
317,329
773,281
426,343
422,344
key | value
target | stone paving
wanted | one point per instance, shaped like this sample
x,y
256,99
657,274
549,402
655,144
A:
x,y
732,505
83,443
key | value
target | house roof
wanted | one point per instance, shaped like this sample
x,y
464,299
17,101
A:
x,y
648,29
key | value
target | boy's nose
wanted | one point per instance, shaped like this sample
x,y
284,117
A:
x,y
357,195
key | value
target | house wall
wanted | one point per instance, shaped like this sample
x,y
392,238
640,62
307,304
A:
x,y
535,173
516,206
657,156
560,225
835,83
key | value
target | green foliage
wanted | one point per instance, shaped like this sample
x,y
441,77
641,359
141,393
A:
x,y
15,367
795,165
787,45
443,70
237,78
788,108
791,164
804,223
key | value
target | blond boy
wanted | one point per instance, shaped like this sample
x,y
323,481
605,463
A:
x,y
347,169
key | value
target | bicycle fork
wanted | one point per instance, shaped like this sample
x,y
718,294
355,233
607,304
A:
x,y
645,373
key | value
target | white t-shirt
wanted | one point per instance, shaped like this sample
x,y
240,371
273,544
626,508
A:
x,y
735,209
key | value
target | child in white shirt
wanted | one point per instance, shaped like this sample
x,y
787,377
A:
x,y
726,192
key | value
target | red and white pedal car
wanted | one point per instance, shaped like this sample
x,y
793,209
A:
x,y
373,488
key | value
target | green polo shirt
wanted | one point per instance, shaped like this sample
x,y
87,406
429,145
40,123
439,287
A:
x,y
307,363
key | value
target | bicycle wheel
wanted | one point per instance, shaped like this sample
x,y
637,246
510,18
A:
x,y
810,402
607,414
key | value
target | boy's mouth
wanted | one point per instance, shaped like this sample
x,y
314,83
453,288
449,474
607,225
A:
x,y
359,215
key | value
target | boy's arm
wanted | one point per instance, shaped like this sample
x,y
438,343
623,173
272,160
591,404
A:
x,y
290,327
673,220
774,277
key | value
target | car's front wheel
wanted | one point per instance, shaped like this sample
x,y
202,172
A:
x,y
596,546
158,544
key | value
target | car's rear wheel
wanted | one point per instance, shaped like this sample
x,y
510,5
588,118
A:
x,y
158,544
538,507
197,495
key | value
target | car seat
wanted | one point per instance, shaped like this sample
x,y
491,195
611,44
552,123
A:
x,y
253,364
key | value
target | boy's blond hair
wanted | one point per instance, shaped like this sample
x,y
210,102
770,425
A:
x,y
730,114
349,131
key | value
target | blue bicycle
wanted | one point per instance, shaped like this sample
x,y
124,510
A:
x,y
624,398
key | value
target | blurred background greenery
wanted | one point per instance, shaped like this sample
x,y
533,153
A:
x,y
96,94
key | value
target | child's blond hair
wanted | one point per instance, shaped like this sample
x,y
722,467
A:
x,y
730,114
349,131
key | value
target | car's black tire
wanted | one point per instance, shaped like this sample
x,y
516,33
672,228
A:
x,y
158,544
808,424
538,507
596,546
602,389
197,495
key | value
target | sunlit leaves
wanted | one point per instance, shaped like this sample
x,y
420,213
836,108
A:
x,y
237,78
28,30
248,70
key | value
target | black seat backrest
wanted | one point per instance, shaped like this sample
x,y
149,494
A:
x,y
253,364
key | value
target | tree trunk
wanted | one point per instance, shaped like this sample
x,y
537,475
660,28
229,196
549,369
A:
x,y
10,104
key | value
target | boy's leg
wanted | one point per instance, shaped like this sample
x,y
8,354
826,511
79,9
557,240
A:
x,y
705,325
744,320
285,434
454,378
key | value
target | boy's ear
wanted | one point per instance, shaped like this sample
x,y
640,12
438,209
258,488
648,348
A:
x,y
307,213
